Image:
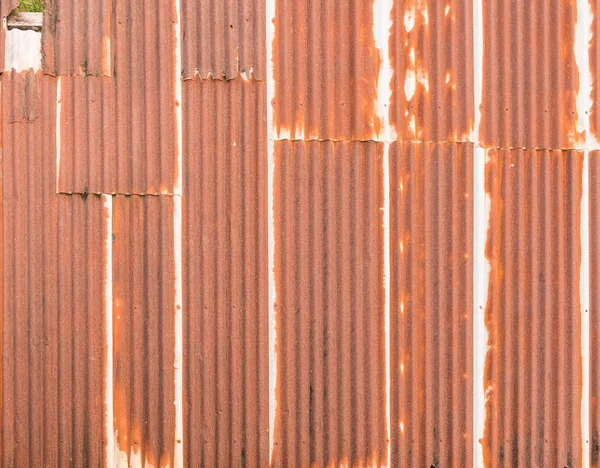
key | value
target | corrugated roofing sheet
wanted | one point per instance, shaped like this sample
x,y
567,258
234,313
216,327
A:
x,y
594,232
325,66
331,381
226,358
530,77
534,368
223,38
594,58
431,242
431,49
54,348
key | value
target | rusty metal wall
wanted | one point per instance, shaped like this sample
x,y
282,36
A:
x,y
242,233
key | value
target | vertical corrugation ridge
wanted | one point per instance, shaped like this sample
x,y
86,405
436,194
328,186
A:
x,y
226,395
223,39
143,324
331,93
532,313
520,109
594,58
328,271
52,398
431,50
431,187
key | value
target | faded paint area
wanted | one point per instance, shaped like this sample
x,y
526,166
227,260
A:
x,y
431,189
53,345
533,367
325,69
594,64
223,39
331,402
22,91
225,324
530,76
144,328
432,59
76,37
6,6
23,50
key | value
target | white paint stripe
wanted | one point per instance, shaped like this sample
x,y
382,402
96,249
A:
x,y
584,290
583,35
108,306
177,189
58,112
481,273
178,461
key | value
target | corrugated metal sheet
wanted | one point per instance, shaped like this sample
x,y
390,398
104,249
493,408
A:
x,y
431,190
530,78
331,402
594,58
594,213
431,49
534,364
226,359
6,6
144,327
76,38
223,38
325,66
53,346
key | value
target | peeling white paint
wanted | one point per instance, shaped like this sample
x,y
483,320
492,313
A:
x,y
422,79
410,84
584,291
411,55
58,113
412,125
409,18
425,15
177,189
477,65
178,309
382,24
23,50
447,77
447,10
481,272
108,309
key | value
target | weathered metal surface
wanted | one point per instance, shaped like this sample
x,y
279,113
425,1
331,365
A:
x,y
431,49
144,327
325,66
431,243
6,6
223,38
594,237
53,345
76,38
530,78
533,369
226,359
594,58
331,401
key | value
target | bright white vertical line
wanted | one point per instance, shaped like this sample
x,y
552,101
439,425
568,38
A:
x,y
178,462
178,96
382,24
584,290
481,271
58,111
270,33
108,306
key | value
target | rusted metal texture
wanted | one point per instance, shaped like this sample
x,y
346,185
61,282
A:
x,y
431,49
6,6
223,38
330,390
594,58
530,78
53,345
226,358
594,213
533,369
325,66
76,37
143,273
431,190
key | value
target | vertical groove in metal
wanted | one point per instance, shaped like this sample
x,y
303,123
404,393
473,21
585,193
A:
x,y
432,280
330,307
533,366
594,63
226,406
53,269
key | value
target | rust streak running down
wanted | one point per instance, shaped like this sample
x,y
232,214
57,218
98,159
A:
x,y
431,48
331,403
326,67
226,361
431,189
144,328
53,346
530,77
533,367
